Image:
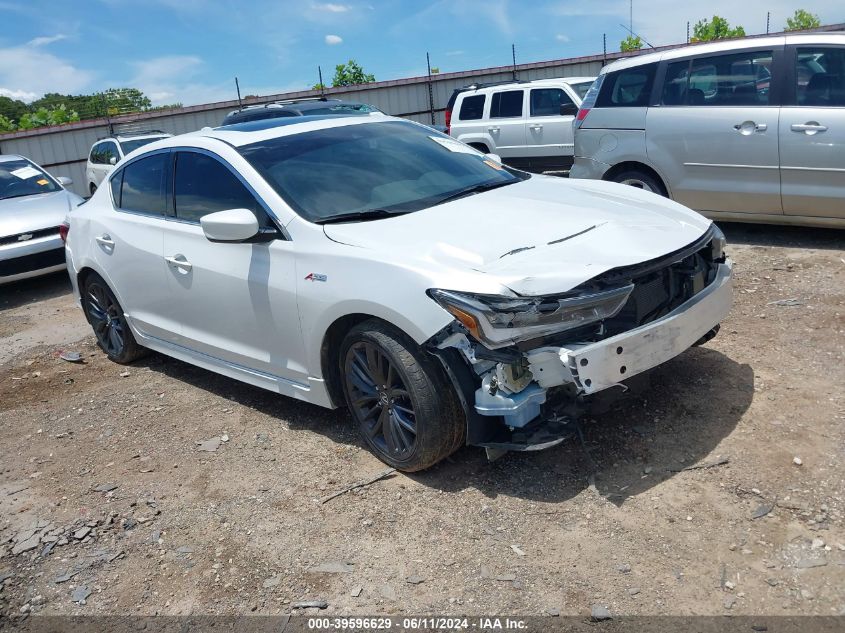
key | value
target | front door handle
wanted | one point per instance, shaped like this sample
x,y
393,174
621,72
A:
x,y
178,261
105,240
810,128
493,129
747,127
536,126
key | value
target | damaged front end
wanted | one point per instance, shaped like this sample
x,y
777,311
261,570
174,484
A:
x,y
524,365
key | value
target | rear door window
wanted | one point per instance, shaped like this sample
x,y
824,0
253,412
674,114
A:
x,y
630,87
547,101
143,185
740,79
506,105
820,77
472,108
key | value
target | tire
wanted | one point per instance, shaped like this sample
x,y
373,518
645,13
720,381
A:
x,y
641,180
93,188
405,408
108,322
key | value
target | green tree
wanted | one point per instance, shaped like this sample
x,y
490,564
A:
x,y
631,43
801,20
43,116
12,108
7,125
319,86
350,74
124,100
715,29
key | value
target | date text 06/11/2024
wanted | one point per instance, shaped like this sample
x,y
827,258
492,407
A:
x,y
417,624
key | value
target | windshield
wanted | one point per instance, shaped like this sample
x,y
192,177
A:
x,y
582,88
394,166
135,143
343,108
21,178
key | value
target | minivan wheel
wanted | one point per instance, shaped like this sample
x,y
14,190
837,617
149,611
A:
x,y
641,180
93,188
405,409
108,321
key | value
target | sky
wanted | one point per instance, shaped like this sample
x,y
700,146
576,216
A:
x,y
189,51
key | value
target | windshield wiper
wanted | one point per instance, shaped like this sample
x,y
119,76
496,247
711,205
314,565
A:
x,y
368,214
485,186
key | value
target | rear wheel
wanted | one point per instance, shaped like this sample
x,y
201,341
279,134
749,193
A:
x,y
108,321
404,406
640,180
93,188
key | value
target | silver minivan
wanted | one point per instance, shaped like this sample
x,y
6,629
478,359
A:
x,y
747,130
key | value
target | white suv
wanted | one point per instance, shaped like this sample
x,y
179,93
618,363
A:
x,y
528,124
108,152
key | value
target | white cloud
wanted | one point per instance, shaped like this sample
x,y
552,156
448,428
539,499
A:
x,y
454,53
333,40
44,40
331,7
560,37
21,95
29,71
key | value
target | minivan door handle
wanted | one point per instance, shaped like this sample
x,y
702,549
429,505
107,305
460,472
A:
x,y
811,127
493,129
536,126
105,240
747,127
179,261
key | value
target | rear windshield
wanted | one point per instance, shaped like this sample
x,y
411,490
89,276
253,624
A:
x,y
19,178
630,87
135,143
343,108
394,166
582,88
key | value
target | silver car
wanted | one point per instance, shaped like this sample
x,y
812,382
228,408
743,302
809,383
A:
x,y
33,207
750,130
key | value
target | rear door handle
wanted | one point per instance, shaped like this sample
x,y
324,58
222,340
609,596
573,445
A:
x,y
178,261
105,240
536,126
746,127
493,129
808,128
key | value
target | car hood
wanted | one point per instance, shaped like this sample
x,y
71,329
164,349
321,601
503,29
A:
x,y
541,236
38,211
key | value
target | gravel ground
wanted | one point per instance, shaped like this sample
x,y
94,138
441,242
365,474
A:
x,y
161,488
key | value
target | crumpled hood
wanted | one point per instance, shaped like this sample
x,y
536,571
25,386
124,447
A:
x,y
541,236
39,211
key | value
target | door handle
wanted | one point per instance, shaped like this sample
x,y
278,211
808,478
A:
x,y
105,240
493,129
178,261
810,127
536,126
747,127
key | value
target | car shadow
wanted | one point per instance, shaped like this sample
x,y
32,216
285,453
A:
x,y
693,402
17,293
777,235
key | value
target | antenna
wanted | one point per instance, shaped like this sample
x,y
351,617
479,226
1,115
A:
x,y
238,88
430,91
513,56
322,87
650,45
768,19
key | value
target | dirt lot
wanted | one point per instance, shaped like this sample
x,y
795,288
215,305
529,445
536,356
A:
x,y
108,506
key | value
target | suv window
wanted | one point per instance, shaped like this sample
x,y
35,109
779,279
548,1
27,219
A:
x,y
547,101
820,77
203,185
506,104
472,108
143,185
630,87
740,79
102,152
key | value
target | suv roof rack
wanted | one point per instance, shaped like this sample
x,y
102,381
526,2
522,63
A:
x,y
129,133
477,85
282,102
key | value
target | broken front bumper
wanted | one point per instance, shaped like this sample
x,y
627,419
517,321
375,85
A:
x,y
592,367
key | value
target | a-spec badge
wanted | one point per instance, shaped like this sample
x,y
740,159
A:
x,y
315,277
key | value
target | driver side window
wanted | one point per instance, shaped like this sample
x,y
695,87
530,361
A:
x,y
203,185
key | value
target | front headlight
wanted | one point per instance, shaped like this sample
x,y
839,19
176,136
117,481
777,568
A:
x,y
718,244
498,321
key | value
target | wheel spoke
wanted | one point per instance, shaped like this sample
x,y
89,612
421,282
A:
x,y
377,427
394,444
403,420
374,364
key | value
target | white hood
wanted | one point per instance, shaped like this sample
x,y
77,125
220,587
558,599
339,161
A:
x,y
541,236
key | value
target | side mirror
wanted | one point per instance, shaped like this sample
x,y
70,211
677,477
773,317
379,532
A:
x,y
232,225
494,157
113,160
64,181
568,109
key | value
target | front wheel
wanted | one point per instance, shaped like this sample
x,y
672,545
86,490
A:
x,y
640,180
405,408
108,321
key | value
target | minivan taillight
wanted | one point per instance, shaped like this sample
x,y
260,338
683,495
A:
x,y
582,114
63,231
448,121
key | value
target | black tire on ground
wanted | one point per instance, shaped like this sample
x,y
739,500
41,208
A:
x,y
641,180
93,188
108,321
403,403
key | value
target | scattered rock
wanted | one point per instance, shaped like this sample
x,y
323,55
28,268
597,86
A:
x,y
817,543
81,533
124,374
80,594
797,461
388,592
414,579
624,568
71,357
633,591
506,578
600,613
334,567
730,586
356,591
25,545
517,550
185,549
272,582
107,487
209,446
809,563
772,582
310,604
65,577
762,510
553,611
729,602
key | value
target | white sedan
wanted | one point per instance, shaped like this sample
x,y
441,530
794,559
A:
x,y
374,263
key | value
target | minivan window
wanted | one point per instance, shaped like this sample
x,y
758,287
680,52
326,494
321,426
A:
x,y
472,108
630,87
131,146
203,185
143,185
820,77
740,79
547,101
507,104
